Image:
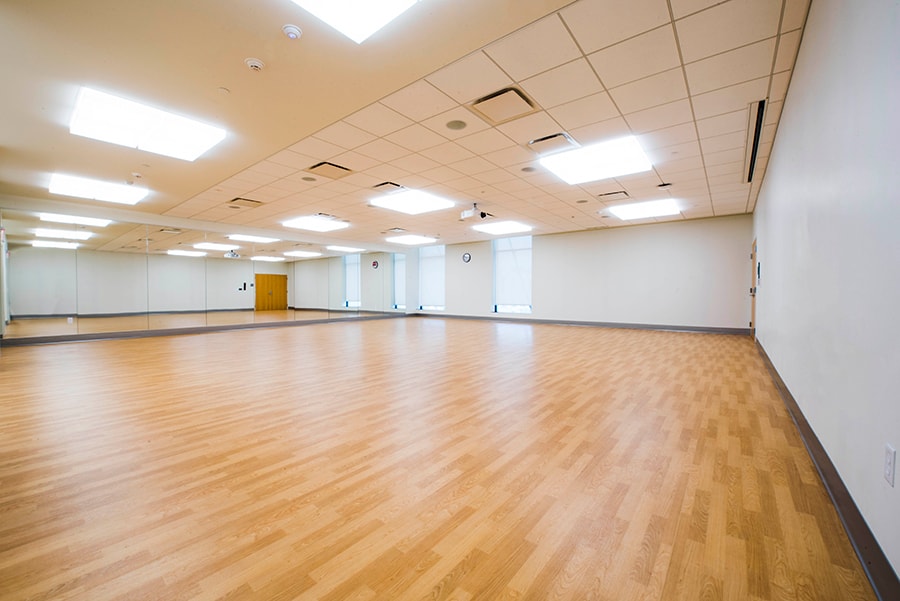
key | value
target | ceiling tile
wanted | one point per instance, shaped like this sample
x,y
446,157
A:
x,y
538,47
671,166
416,137
530,127
448,152
272,168
382,150
473,166
378,119
730,99
652,91
639,57
415,163
344,135
355,161
727,26
779,87
314,147
597,24
485,141
584,111
494,176
658,117
669,136
293,159
600,131
731,155
788,45
470,78
510,156
563,84
441,174
723,124
682,8
419,101
438,123
794,14
729,68
724,142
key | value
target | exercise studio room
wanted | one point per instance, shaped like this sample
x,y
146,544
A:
x,y
432,300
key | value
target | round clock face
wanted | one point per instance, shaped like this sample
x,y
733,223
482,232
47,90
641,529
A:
x,y
466,257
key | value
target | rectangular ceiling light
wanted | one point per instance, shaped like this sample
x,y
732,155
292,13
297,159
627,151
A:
x,y
74,220
64,234
500,228
613,158
356,19
316,223
53,244
124,122
411,239
412,202
303,254
247,238
345,249
186,253
94,189
644,210
266,259
214,246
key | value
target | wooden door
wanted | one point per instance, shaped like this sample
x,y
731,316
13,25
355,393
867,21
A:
x,y
754,281
271,292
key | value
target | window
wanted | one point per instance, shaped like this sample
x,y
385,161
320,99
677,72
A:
x,y
431,278
351,281
399,281
512,275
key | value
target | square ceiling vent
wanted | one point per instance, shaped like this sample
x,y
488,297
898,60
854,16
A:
x,y
243,203
552,143
504,105
329,170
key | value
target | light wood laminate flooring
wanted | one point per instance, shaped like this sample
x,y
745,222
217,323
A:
x,y
413,459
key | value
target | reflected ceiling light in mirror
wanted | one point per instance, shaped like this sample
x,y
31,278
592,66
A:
x,y
186,253
73,219
215,246
412,202
94,189
500,228
303,254
64,234
316,223
53,244
248,238
612,158
267,259
112,119
345,249
411,239
644,210
356,19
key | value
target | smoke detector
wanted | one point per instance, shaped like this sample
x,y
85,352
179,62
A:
x,y
292,31
254,64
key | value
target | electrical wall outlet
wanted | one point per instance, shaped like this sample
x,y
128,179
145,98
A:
x,y
890,463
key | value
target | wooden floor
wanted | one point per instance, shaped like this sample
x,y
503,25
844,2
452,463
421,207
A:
x,y
409,459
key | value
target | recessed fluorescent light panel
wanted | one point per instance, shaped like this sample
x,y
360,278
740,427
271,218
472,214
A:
x,y
613,158
94,189
303,254
644,210
316,223
411,239
186,253
356,19
64,234
267,259
124,122
345,249
214,246
52,244
246,238
499,228
74,220
412,202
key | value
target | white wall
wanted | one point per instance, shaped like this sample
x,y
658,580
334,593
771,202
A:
x,y
310,284
470,286
176,283
829,248
376,284
42,281
111,283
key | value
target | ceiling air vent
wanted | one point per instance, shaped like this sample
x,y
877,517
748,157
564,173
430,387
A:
x,y
552,143
243,203
387,187
504,105
754,133
329,170
617,195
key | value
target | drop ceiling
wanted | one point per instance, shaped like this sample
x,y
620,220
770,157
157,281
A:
x,y
679,74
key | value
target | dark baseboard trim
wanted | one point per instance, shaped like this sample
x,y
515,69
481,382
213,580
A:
x,y
35,340
876,565
595,324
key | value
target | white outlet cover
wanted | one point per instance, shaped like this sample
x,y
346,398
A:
x,y
890,463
